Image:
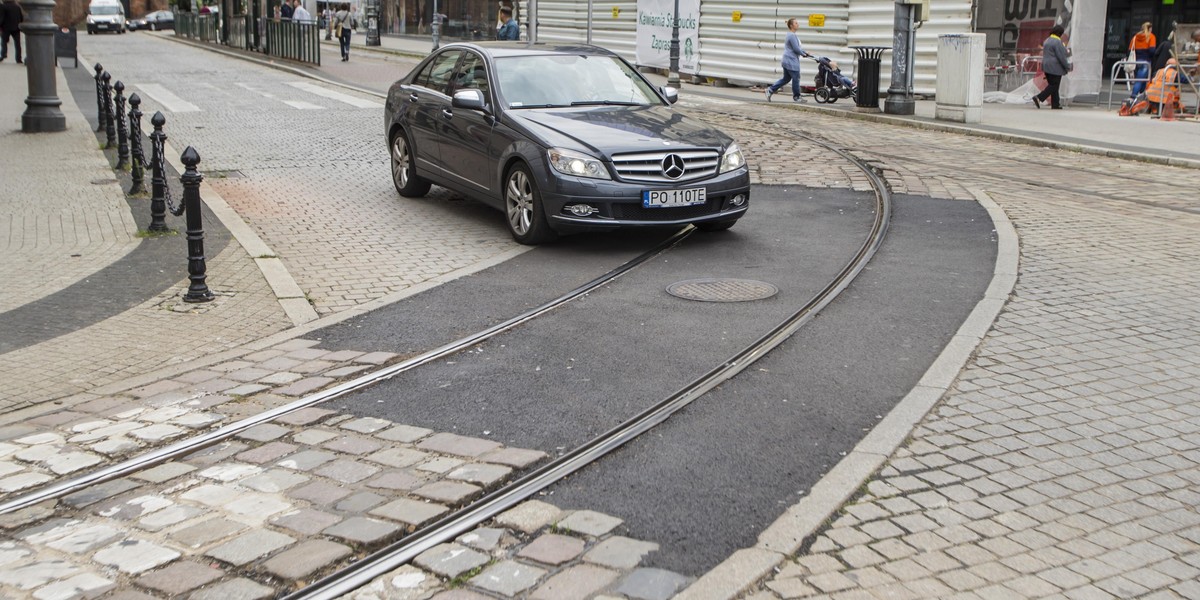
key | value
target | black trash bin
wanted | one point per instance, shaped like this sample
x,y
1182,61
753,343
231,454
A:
x,y
868,75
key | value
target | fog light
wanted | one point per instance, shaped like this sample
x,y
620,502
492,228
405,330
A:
x,y
738,200
582,210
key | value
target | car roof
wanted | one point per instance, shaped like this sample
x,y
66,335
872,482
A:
x,y
503,49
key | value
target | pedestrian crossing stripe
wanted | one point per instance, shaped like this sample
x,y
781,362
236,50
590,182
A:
x,y
168,100
340,97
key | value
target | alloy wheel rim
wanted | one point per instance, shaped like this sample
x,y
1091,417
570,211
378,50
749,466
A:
x,y
400,160
520,203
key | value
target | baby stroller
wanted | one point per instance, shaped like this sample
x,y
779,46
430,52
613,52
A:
x,y
830,83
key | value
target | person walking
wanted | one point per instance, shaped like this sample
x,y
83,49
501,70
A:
x,y
792,51
1142,45
327,22
11,17
1055,64
509,29
343,22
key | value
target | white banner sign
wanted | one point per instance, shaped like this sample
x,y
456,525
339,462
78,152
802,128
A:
x,y
654,33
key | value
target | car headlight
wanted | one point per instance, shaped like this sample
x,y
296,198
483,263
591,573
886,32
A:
x,y
577,164
732,159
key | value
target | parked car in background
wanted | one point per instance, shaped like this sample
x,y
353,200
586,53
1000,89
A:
x,y
561,138
159,19
105,15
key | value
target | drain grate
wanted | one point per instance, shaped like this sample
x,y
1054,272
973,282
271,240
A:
x,y
722,290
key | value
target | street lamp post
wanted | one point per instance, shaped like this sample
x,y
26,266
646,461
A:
x,y
436,26
673,73
42,113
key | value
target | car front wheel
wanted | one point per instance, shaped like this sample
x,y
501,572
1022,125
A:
x,y
404,176
523,207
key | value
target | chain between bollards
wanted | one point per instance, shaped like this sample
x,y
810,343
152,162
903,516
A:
x,y
110,126
100,120
122,133
136,155
198,290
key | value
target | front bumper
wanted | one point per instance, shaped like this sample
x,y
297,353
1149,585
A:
x,y
619,203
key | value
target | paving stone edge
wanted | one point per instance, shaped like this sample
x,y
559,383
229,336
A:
x,y
785,536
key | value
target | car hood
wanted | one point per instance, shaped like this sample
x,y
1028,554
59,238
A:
x,y
607,130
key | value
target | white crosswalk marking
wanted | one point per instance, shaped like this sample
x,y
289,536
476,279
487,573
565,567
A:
x,y
302,105
169,101
340,97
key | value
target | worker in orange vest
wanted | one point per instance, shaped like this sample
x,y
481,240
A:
x,y
1163,89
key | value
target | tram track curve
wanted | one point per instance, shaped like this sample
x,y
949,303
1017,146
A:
x,y
407,548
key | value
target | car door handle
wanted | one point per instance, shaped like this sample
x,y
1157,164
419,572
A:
x,y
413,97
447,113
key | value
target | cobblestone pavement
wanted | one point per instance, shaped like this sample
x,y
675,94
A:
x,y
51,239
306,164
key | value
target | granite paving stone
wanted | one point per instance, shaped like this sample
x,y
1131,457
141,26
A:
x,y
164,472
37,574
306,521
234,589
275,480
396,480
589,522
450,492
450,443
179,577
250,546
321,493
305,558
360,502
411,512
346,471
403,433
529,516
482,538
361,530
651,584
135,556
482,474
513,457
451,560
306,460
313,437
353,445
305,416
83,585
620,552
508,578
267,452
398,457
206,532
552,549
576,583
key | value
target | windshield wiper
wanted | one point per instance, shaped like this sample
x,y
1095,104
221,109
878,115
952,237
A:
x,y
604,103
538,106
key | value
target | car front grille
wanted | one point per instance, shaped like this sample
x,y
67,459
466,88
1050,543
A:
x,y
648,166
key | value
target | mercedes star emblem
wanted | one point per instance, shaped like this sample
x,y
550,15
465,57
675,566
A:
x,y
672,166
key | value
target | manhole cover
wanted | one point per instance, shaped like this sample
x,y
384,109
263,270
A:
x,y
722,290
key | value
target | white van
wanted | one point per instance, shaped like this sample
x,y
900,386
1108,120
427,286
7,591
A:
x,y
106,15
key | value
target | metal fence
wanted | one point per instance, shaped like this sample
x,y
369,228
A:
x,y
292,40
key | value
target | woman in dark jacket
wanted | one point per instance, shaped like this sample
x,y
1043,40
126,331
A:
x,y
1055,64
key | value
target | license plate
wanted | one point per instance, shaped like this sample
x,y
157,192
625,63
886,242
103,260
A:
x,y
669,198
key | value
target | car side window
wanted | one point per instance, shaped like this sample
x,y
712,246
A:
x,y
472,74
436,74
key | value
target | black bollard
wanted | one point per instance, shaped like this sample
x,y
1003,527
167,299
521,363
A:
x,y
198,290
99,98
136,155
122,133
158,176
110,126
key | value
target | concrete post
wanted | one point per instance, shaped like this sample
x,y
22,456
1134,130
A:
x,y
42,113
961,60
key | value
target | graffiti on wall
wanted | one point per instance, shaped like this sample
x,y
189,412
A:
x,y
1028,22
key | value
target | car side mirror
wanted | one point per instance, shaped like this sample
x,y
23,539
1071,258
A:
x,y
471,99
671,94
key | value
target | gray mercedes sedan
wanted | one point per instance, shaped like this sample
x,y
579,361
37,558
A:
x,y
561,138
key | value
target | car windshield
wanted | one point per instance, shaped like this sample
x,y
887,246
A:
x,y
549,80
105,10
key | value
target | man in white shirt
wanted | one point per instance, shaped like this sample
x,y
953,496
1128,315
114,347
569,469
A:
x,y
300,14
